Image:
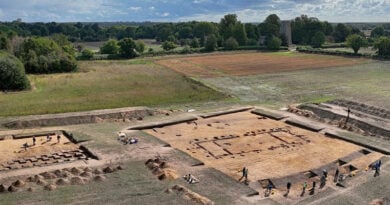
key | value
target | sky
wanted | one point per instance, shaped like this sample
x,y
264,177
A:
x,y
188,10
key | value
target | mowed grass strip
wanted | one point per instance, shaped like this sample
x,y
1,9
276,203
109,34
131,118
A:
x,y
243,64
105,84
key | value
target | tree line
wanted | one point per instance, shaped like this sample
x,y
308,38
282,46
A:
x,y
49,48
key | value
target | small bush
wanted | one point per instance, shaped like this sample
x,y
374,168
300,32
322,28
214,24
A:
x,y
231,44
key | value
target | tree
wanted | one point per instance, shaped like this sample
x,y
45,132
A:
x,y
270,26
226,25
43,55
318,39
194,43
140,46
383,46
341,32
12,73
168,45
378,32
110,47
231,44
211,43
239,34
273,43
5,43
204,29
86,54
355,42
127,48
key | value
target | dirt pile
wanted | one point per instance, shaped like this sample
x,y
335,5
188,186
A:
x,y
383,201
108,169
190,195
77,181
50,187
62,182
3,188
48,175
12,189
41,182
19,183
99,178
75,171
86,174
161,169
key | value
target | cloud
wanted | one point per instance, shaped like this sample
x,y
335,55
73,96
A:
x,y
165,14
135,8
185,10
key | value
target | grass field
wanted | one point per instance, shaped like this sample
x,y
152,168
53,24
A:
x,y
105,84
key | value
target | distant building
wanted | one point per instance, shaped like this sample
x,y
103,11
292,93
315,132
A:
x,y
285,29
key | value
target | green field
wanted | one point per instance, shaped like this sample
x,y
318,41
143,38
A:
x,y
105,84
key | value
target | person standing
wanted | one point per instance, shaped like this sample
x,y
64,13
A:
x,y
58,139
336,175
304,188
33,139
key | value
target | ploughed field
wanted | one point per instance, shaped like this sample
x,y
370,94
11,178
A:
x,y
253,63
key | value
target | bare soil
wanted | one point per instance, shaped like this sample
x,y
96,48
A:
x,y
253,63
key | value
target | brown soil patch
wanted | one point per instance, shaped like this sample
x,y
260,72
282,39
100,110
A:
x,y
253,63
265,146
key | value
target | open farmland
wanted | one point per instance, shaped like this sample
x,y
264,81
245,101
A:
x,y
283,78
253,63
102,85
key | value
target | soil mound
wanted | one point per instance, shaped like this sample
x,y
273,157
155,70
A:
x,y
157,171
164,165
58,173
98,171
12,189
99,178
192,196
48,175
62,182
77,181
19,183
66,174
75,171
2,188
30,189
87,169
31,179
108,170
41,182
86,174
170,174
383,201
49,187
119,167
